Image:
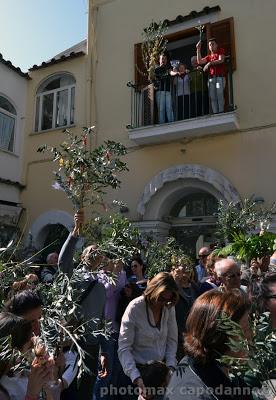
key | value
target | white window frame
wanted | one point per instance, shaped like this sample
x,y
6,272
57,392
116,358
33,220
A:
x,y
55,93
14,116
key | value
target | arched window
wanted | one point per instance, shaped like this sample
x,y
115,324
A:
x,y
195,205
7,124
55,102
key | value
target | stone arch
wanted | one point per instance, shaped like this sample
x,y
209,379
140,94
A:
x,y
39,229
166,187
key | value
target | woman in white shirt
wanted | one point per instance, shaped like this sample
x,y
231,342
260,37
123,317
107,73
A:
x,y
148,329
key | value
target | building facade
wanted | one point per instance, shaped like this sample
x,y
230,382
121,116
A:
x,y
13,97
183,168
178,170
56,101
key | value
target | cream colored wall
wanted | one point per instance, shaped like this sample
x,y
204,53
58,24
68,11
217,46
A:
x,y
245,158
14,88
39,196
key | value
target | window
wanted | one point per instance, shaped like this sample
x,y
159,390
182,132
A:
x,y
55,103
7,124
195,205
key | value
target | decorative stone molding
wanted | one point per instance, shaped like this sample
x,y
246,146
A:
x,y
38,229
198,173
158,230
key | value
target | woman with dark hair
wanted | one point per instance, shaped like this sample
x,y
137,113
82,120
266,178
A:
x,y
199,374
148,329
138,270
26,385
26,304
127,294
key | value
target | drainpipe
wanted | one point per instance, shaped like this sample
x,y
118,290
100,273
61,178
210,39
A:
x,y
91,107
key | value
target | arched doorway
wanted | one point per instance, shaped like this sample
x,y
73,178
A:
x,y
55,235
46,223
182,201
193,221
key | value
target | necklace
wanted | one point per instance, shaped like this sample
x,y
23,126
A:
x,y
149,321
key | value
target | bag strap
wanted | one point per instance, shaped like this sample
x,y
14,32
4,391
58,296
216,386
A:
x,y
87,291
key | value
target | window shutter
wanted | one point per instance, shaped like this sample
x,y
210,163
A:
x,y
223,31
140,72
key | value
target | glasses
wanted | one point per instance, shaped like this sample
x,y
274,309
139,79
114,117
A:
x,y
232,276
203,256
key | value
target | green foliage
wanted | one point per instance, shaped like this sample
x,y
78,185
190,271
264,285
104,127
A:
x,y
83,174
154,43
162,256
114,235
16,360
246,247
255,359
11,270
242,218
61,311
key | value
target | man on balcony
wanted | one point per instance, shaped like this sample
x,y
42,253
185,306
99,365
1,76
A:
x,y
163,82
199,90
214,65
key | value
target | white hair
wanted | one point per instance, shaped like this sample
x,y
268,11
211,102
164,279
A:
x,y
50,256
219,267
225,262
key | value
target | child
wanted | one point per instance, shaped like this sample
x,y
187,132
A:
x,y
155,375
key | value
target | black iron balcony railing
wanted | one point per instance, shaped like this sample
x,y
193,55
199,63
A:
x,y
177,98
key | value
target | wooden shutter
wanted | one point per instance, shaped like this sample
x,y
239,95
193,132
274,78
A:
x,y
140,72
145,98
223,31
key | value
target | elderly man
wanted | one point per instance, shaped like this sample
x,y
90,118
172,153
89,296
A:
x,y
229,273
92,296
201,267
48,273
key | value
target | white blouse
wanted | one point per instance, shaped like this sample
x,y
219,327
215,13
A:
x,y
139,342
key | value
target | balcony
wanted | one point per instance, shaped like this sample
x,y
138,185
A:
x,y
192,114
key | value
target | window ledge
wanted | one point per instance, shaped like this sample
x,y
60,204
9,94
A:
x,y
61,128
10,153
195,127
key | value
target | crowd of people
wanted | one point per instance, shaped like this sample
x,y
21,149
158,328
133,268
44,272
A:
x,y
165,341
183,93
